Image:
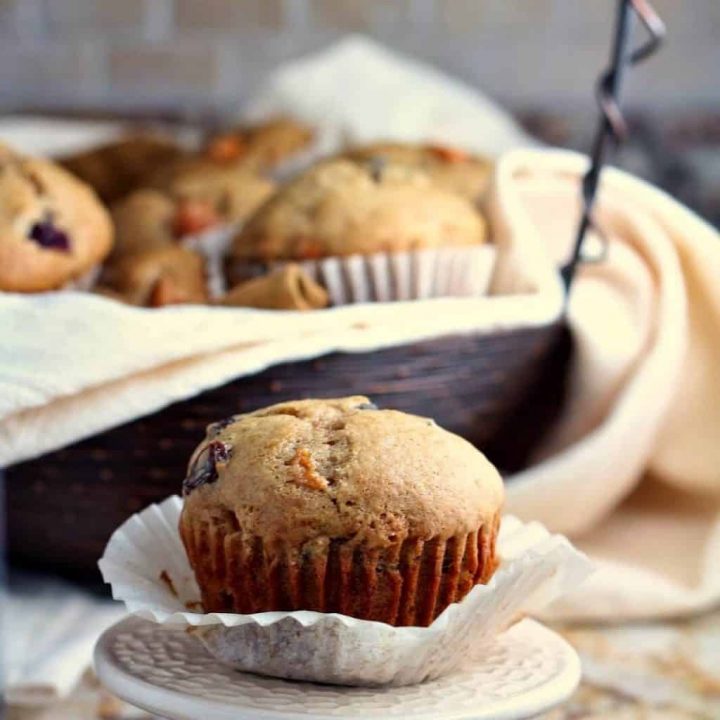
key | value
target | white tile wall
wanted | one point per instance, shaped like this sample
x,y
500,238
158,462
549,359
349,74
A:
x,y
207,54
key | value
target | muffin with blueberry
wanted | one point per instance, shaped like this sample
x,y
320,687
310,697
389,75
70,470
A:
x,y
368,231
339,506
53,228
340,207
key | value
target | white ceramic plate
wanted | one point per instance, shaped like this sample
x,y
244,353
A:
x,y
525,671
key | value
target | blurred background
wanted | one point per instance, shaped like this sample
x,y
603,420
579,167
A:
x,y
197,61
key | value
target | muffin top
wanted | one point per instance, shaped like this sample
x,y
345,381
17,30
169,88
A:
x,y
118,167
261,147
196,199
340,207
233,192
313,470
53,228
162,276
449,167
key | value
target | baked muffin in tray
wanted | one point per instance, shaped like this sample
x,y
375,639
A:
x,y
261,147
116,168
340,207
198,199
53,228
368,231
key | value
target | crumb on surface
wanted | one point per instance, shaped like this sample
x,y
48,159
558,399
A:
x,y
164,577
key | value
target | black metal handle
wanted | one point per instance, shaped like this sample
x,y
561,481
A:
x,y
612,123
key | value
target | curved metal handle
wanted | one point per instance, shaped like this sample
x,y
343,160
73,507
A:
x,y
612,123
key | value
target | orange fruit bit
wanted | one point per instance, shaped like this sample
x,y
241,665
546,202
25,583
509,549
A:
x,y
193,216
449,154
308,475
309,250
166,292
226,148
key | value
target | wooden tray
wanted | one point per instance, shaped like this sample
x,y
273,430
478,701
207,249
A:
x,y
500,391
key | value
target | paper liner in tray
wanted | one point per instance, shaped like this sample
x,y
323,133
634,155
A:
x,y
384,277
146,565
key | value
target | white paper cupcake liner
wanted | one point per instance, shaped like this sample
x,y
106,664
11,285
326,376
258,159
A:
x,y
385,277
146,565
213,245
86,281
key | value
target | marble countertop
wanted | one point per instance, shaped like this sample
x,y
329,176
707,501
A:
x,y
664,670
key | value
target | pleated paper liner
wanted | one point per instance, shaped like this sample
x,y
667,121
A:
x,y
408,584
147,566
385,277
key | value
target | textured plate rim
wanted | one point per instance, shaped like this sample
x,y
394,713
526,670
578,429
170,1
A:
x,y
184,706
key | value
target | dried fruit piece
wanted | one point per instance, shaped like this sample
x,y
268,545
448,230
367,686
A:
x,y
193,216
205,468
226,148
48,236
449,154
215,428
166,292
307,474
309,249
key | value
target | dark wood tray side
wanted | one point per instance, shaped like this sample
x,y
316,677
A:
x,y
63,506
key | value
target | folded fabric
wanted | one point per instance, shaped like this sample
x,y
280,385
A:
x,y
633,467
393,97
49,630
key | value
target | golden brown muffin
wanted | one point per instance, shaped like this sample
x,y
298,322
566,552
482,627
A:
x,y
144,221
337,506
53,228
341,207
261,147
164,276
117,168
233,191
449,167
195,201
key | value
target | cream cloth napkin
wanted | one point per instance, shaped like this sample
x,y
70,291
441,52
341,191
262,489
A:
x,y
632,470
49,629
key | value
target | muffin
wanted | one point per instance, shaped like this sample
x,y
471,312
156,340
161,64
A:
x,y
450,168
261,147
337,506
143,221
115,169
232,191
342,208
159,277
195,200
53,228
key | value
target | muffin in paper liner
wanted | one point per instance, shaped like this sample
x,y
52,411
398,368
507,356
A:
x,y
146,565
408,584
385,277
